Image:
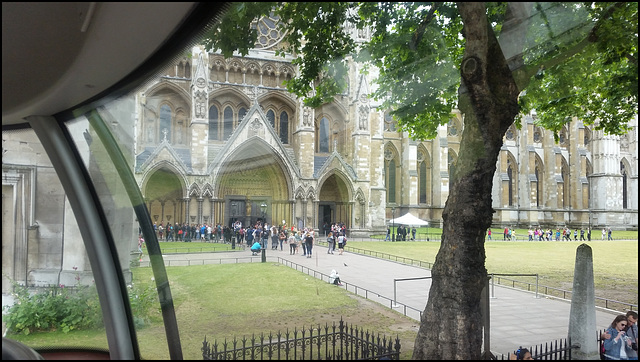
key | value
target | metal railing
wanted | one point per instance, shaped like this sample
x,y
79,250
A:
x,y
340,342
405,310
209,261
540,289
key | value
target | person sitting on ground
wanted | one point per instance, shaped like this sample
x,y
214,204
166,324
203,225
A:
x,y
255,248
521,354
334,278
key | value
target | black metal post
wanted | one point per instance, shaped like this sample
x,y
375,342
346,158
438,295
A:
x,y
263,208
393,223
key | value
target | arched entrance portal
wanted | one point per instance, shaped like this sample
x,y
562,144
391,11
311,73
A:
x,y
334,204
164,195
254,187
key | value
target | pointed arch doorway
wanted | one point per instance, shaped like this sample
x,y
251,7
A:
x,y
164,194
334,202
254,186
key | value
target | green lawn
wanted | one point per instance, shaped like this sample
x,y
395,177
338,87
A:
x,y
615,263
239,300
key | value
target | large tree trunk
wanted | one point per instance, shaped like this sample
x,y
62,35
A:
x,y
451,325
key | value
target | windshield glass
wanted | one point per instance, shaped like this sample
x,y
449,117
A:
x,y
266,140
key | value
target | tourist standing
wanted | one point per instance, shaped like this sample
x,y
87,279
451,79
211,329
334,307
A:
x,y
618,345
331,240
292,243
308,240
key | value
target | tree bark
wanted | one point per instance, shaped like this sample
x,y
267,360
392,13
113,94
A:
x,y
451,325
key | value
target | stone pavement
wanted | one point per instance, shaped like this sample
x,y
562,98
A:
x,y
518,318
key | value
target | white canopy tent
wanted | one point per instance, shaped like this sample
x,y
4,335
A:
x,y
409,220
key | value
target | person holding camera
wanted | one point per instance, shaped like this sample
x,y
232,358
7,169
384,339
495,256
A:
x,y
617,345
632,332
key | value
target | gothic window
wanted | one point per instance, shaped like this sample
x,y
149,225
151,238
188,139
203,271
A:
x,y
269,32
423,182
565,184
452,128
537,134
562,137
422,177
271,117
511,134
390,173
228,122
538,190
284,127
623,172
389,123
323,135
165,122
241,113
589,172
213,123
510,181
187,70
391,185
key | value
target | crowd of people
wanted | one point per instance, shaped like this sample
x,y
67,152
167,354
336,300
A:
x,y
560,234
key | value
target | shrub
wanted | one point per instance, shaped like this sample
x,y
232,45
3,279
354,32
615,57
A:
x,y
70,308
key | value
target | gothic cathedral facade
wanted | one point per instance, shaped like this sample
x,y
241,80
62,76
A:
x,y
220,140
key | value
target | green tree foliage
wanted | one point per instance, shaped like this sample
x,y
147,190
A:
x,y
417,48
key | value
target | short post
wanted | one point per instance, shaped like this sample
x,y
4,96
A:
x,y
233,243
264,255
394,292
493,286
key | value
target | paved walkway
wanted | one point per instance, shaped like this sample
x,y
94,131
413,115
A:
x,y
518,318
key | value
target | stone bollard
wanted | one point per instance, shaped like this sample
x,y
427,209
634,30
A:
x,y
582,318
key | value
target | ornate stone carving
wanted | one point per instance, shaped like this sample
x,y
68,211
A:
x,y
306,117
364,118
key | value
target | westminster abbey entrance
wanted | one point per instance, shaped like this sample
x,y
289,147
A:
x,y
254,187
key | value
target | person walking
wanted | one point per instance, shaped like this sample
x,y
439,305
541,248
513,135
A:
x,y
281,238
341,241
609,235
274,237
388,234
616,344
331,240
413,233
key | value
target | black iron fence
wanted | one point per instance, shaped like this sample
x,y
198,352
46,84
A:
x,y
335,342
